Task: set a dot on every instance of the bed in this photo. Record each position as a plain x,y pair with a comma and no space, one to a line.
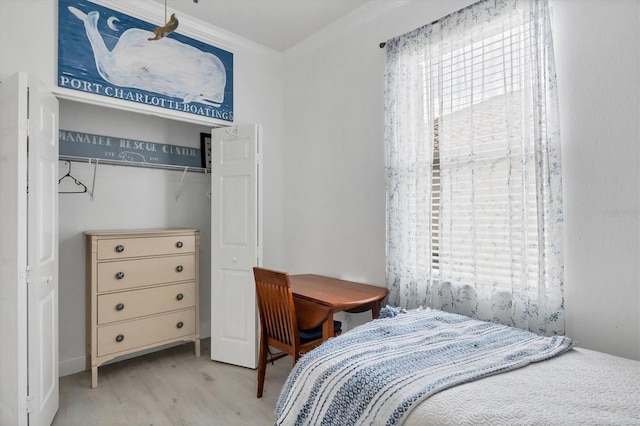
429,367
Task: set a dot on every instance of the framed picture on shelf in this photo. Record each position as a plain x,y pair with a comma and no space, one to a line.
205,150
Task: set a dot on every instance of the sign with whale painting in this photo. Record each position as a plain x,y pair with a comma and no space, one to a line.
108,53
136,152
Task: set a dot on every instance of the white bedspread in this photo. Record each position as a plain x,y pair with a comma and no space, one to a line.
379,372
581,387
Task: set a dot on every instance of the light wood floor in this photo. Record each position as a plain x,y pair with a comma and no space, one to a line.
171,387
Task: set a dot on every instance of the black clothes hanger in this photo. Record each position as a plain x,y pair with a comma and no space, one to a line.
82,186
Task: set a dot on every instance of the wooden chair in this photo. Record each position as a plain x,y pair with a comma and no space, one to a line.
280,326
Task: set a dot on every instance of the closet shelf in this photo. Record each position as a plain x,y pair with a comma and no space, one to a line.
96,161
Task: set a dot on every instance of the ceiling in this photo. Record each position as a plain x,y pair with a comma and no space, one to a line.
278,24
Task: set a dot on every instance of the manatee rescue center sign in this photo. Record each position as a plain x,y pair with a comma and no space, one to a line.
87,145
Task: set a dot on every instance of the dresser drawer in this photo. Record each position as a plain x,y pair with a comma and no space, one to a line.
127,274
120,248
138,303
127,335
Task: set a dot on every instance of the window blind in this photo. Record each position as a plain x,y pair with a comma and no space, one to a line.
484,212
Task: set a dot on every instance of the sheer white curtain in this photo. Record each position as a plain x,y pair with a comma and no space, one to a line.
474,191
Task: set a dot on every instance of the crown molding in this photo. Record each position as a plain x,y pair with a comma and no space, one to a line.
342,27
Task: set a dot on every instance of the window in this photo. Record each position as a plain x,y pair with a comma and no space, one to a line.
474,202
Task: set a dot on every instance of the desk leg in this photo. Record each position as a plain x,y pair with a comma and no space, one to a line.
375,309
327,328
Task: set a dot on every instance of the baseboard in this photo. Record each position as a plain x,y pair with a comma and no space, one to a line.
205,330
72,366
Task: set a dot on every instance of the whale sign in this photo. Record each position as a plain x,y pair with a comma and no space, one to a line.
108,53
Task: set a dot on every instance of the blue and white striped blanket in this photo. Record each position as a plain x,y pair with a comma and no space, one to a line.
378,372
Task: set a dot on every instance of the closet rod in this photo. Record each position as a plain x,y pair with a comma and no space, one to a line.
131,164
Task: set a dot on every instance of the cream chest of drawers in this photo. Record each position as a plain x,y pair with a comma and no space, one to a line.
142,292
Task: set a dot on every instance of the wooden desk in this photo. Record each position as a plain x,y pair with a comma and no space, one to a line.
318,297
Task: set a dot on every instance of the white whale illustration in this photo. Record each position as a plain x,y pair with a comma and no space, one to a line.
165,66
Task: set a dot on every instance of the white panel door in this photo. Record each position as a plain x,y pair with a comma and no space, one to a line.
235,243
42,255
28,253
13,250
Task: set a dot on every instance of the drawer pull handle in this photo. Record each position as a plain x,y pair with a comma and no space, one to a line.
179,296
119,306
119,275
180,324
119,338
179,268
119,248
179,244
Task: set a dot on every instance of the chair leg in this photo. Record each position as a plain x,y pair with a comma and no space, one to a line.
262,366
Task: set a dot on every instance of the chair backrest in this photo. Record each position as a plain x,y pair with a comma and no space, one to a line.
276,308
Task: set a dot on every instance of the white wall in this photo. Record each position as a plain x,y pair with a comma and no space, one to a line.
334,151
334,148
130,197
598,64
